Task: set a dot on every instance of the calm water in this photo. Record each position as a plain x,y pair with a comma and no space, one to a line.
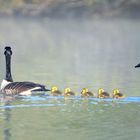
73,54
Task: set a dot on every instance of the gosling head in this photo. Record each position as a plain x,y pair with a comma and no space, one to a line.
66,90
84,91
54,88
100,91
116,91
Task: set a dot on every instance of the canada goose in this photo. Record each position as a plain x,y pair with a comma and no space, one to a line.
68,92
9,87
86,93
103,94
55,91
116,94
138,65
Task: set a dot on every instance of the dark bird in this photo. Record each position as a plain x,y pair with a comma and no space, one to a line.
137,65
9,87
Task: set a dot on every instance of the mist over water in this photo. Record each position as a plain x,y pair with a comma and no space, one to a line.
75,54
96,53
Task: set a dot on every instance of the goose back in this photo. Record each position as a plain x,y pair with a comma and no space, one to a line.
15,88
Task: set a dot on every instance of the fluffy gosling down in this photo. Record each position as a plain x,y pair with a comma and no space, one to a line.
103,94
68,92
116,94
55,91
86,93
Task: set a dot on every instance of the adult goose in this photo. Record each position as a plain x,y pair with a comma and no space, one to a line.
8,87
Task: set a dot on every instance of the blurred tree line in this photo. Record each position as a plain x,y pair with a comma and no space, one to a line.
70,8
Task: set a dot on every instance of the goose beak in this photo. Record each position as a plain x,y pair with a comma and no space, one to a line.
47,90
137,65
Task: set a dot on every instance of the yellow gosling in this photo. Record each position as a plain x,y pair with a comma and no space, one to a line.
103,94
116,94
68,92
55,91
86,93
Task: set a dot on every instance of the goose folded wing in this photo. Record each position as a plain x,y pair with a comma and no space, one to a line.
19,87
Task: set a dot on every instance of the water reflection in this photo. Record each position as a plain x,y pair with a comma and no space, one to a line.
60,116
6,101
7,128
90,54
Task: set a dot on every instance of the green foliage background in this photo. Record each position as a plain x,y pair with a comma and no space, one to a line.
70,8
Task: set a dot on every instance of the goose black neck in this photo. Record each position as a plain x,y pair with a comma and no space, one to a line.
8,54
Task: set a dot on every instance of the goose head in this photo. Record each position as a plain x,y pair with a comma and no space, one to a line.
7,51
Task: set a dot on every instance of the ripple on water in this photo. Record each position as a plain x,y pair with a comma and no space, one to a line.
74,102
80,117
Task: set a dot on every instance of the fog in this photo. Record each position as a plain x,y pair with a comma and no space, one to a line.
76,53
